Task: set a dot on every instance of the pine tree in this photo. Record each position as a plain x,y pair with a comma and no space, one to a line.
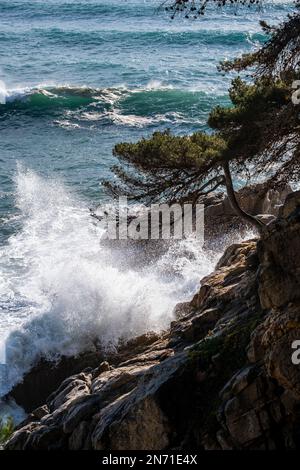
257,138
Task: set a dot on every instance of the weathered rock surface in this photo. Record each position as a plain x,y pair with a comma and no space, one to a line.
260,408
220,221
258,199
46,377
221,378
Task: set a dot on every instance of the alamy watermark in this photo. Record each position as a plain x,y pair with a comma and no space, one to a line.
296,353
296,93
157,222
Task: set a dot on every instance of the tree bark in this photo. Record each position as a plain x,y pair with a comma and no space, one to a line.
234,202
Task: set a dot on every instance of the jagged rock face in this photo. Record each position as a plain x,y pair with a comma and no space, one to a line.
144,427
279,252
46,377
279,291
221,378
256,199
264,413
147,398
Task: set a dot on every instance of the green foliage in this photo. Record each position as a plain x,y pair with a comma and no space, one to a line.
252,133
279,56
6,429
256,128
164,150
251,103
168,166
256,137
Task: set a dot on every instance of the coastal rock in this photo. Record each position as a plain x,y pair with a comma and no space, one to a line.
78,437
70,389
258,199
143,401
45,377
291,203
79,411
279,253
144,427
220,378
261,199
270,408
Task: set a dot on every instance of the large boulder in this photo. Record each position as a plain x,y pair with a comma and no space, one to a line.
46,376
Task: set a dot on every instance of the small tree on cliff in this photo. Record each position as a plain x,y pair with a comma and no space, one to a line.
256,138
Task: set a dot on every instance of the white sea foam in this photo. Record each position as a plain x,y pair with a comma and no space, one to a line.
133,120
9,409
3,92
130,120
157,85
108,95
61,290
102,105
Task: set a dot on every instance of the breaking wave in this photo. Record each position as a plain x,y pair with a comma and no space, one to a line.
62,290
77,106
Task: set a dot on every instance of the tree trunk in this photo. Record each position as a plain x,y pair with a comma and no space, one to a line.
234,203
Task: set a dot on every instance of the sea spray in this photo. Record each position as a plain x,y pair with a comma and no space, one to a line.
10,410
3,92
70,131
64,291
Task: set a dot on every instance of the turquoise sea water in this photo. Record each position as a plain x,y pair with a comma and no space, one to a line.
113,70
78,76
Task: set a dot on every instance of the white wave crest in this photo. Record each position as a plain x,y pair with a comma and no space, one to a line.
3,92
61,290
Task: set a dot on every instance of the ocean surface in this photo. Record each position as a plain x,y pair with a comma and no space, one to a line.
78,76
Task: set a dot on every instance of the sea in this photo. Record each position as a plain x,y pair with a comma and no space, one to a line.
77,77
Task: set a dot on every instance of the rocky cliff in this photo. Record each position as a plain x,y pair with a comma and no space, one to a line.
222,377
